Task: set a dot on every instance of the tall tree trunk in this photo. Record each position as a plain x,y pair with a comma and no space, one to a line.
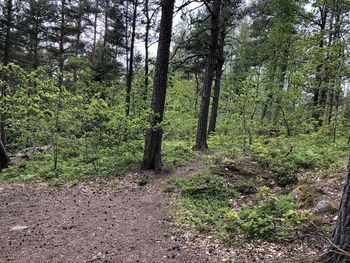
341,233
148,25
319,71
60,81
77,40
152,152
105,35
201,139
93,58
219,65
6,60
131,62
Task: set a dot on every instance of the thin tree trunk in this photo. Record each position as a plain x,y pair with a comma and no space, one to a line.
104,43
201,138
148,25
60,82
335,120
93,59
216,96
254,109
197,94
77,40
152,151
8,24
131,62
318,97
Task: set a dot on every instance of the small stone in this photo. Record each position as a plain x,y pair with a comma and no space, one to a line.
325,206
296,194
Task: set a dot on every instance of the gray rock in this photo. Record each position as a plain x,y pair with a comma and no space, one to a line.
296,195
324,206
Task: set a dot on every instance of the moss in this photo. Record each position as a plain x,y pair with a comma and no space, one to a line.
308,195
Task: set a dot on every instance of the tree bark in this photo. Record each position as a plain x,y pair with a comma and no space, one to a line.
152,159
4,158
6,60
131,62
341,233
148,25
216,96
201,139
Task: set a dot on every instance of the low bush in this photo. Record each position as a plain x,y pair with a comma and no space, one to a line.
272,218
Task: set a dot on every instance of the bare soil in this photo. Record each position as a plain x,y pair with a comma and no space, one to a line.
125,220
116,221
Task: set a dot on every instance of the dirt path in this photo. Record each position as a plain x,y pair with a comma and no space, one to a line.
91,224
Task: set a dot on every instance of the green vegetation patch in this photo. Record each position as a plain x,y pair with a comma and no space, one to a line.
204,201
272,217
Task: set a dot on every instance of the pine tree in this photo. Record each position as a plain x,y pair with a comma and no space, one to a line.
152,158
201,138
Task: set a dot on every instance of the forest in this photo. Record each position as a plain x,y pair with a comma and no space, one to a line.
174,131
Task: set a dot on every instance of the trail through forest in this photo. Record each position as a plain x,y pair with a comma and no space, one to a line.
99,222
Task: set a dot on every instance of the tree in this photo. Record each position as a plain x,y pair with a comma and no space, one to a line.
94,41
218,74
34,28
150,13
152,150
226,21
4,158
130,67
341,233
107,66
8,10
201,139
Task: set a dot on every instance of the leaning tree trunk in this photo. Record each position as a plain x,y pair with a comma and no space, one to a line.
4,158
152,152
340,252
201,140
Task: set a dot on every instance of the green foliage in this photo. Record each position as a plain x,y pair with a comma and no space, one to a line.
206,186
205,199
273,218
285,157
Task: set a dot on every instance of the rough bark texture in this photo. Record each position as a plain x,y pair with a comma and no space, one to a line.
201,140
131,62
217,86
152,151
4,158
341,234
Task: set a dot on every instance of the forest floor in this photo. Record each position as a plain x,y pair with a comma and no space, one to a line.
116,220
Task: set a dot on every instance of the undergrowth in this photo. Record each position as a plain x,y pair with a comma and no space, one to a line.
78,165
